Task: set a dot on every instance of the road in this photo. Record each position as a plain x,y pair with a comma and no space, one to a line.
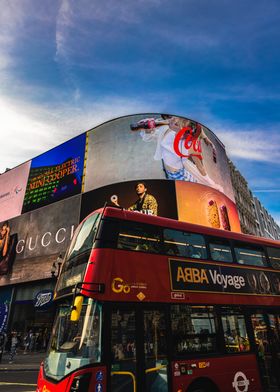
18,381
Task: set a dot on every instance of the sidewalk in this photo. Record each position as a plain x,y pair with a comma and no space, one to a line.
29,361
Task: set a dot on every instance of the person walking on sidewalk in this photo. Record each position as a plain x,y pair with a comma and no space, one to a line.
14,343
2,344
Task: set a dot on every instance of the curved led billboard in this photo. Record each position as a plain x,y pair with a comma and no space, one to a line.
155,146
156,164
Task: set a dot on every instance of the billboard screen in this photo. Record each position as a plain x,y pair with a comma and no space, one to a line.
185,201
156,146
206,206
126,195
12,190
33,241
55,175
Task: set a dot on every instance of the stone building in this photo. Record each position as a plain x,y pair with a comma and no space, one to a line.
244,201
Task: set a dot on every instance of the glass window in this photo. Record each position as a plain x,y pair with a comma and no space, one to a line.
155,346
274,321
123,335
220,251
144,238
193,329
84,239
123,349
179,243
274,257
74,344
235,333
250,256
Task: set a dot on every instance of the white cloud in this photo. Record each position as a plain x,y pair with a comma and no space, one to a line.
251,145
28,130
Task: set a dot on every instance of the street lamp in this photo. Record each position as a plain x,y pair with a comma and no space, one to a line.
56,266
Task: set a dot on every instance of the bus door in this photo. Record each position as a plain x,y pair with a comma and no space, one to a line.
155,350
267,338
138,350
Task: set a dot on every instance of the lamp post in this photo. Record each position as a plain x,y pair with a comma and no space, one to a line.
56,266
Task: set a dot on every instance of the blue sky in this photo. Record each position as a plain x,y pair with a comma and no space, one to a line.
68,65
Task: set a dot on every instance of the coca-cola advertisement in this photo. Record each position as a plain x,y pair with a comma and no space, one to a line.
156,146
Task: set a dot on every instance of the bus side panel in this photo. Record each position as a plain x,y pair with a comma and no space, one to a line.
231,373
95,382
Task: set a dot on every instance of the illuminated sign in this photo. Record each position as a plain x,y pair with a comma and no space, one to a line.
156,146
203,277
55,175
36,239
43,299
12,190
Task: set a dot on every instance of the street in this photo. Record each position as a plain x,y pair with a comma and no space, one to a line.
18,381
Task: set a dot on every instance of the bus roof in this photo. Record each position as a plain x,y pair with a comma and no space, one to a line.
120,213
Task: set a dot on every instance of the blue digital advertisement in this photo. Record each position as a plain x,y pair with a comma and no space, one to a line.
56,175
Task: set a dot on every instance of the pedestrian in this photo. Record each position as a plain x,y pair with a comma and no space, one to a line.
32,345
2,344
26,343
13,350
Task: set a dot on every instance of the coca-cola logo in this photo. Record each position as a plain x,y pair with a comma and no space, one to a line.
188,139
43,299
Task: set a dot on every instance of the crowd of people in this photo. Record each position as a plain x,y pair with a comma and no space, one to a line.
29,342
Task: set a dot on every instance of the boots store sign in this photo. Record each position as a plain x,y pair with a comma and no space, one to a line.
34,240
43,299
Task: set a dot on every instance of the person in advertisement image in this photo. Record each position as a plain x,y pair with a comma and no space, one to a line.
146,203
7,243
180,145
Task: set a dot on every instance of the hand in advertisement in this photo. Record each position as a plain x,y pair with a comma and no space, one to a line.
148,124
115,200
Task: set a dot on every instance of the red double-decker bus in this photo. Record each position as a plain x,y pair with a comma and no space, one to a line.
152,304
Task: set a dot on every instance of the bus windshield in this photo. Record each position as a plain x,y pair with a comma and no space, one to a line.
74,344
76,259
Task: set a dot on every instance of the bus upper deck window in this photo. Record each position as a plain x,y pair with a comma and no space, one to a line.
274,257
185,244
220,251
250,256
139,237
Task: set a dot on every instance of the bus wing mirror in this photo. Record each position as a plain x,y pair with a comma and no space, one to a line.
76,308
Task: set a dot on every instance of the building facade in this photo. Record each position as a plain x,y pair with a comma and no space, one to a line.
266,225
244,201
181,164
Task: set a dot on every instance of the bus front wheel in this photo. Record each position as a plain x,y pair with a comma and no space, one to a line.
202,386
